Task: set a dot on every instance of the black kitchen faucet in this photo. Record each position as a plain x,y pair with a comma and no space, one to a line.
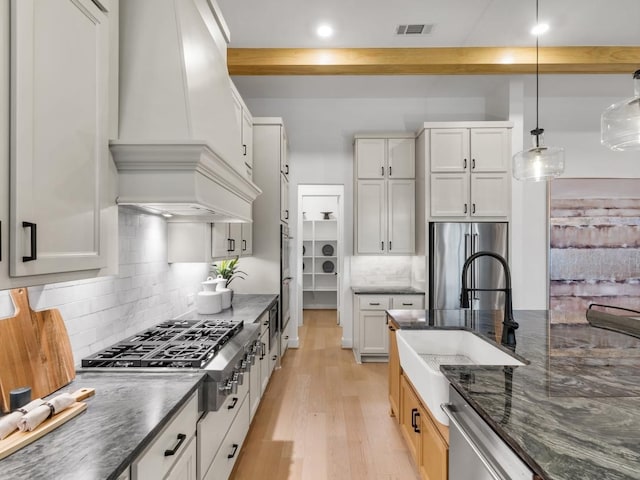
510,325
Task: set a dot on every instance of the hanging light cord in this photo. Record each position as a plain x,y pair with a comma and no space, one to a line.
537,130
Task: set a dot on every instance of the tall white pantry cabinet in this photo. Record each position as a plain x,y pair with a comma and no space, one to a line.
59,216
385,194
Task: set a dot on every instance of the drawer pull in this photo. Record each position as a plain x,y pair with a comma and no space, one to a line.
407,304
234,402
374,304
234,450
181,439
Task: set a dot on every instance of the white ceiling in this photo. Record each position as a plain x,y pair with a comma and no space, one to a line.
457,23
371,23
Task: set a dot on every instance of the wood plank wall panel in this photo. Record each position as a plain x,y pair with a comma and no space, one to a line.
594,253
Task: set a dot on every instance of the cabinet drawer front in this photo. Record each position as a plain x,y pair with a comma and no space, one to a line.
153,463
407,302
374,302
214,425
227,455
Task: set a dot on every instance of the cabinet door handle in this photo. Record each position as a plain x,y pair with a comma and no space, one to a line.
473,208
382,171
181,438
407,304
233,244
286,169
417,427
465,208
414,411
233,451
374,303
473,164
382,246
244,150
34,249
234,402
389,170
464,166
286,214
389,245
244,245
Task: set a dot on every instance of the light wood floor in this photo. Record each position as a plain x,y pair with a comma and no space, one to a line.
323,416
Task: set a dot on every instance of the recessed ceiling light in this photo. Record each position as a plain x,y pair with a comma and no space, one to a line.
324,31
539,29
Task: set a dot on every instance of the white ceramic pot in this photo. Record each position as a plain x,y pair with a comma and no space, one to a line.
209,302
226,297
210,284
219,282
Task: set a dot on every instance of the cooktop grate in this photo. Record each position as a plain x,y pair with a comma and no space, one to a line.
182,344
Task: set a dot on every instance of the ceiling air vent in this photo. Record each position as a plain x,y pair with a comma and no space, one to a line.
414,29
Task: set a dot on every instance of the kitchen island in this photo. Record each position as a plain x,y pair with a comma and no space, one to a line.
127,412
573,411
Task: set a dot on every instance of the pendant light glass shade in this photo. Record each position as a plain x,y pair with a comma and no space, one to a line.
620,123
539,162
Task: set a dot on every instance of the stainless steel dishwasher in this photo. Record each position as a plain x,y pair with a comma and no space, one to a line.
475,450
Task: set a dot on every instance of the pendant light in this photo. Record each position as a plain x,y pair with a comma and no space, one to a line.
620,123
538,162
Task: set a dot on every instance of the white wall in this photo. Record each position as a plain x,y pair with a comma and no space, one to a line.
320,133
147,290
570,109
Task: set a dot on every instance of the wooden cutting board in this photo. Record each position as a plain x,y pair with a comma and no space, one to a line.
17,440
34,351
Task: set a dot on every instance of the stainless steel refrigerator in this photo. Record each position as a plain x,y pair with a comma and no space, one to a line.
450,244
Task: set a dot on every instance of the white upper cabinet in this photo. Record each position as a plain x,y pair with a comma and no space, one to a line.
469,170
385,195
449,149
385,158
370,157
401,158
244,122
59,137
490,149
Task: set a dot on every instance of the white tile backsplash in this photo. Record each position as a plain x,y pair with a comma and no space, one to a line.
147,290
387,271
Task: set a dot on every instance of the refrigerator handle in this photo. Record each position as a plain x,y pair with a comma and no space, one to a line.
474,274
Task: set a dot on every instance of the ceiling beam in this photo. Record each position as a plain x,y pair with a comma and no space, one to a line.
431,61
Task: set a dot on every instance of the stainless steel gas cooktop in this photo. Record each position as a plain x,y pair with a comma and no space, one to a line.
172,344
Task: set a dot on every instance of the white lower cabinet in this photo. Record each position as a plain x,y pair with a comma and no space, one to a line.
214,427
169,446
370,335
227,455
185,466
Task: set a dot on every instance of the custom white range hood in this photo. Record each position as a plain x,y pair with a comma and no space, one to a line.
178,150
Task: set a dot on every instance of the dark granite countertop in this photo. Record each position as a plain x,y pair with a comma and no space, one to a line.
128,410
245,306
374,290
574,409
